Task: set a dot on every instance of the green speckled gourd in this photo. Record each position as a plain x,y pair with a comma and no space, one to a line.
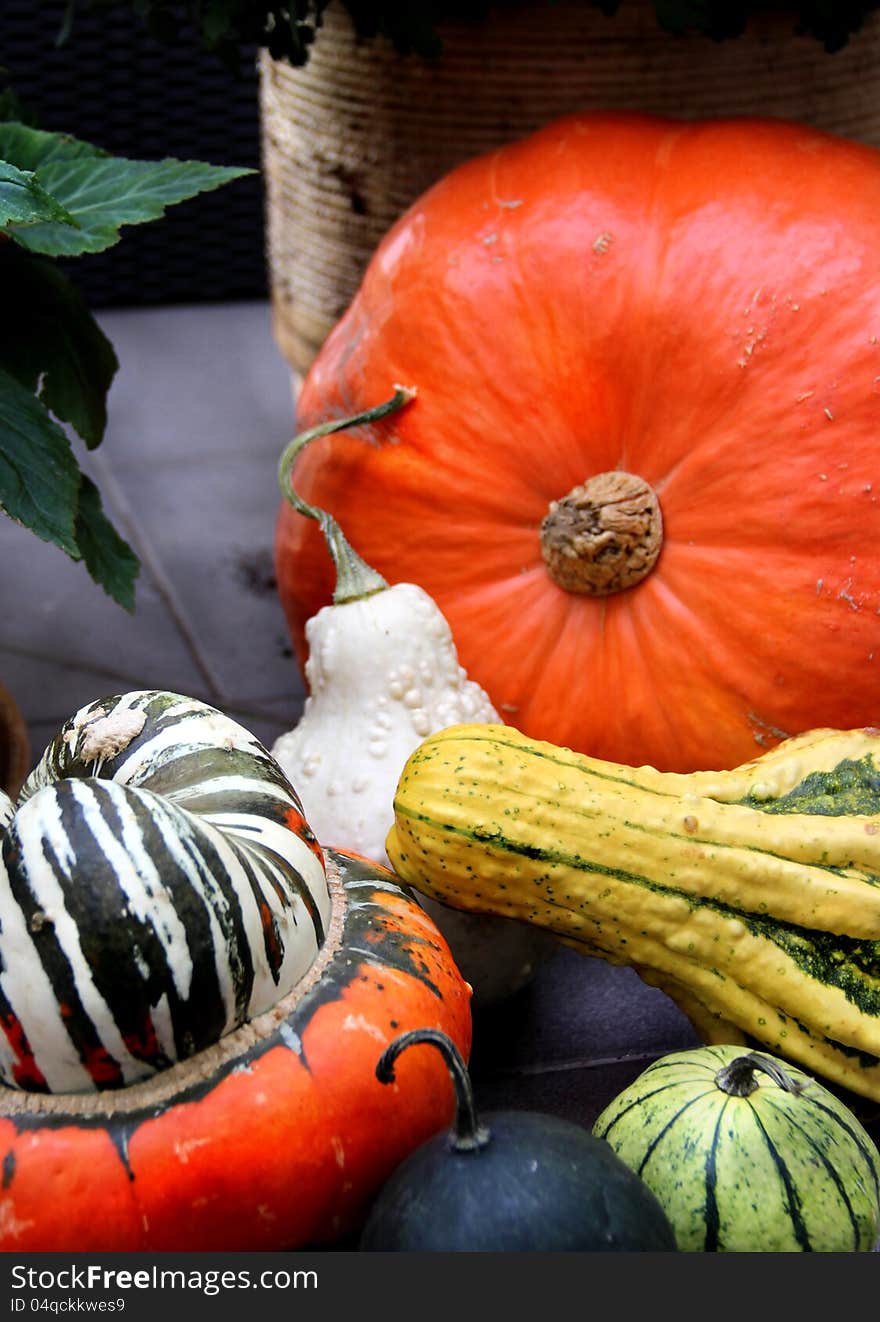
746,1154
751,896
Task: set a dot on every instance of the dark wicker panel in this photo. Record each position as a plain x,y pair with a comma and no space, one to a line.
113,85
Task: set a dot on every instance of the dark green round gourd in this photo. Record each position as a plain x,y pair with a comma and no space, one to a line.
747,1153
515,1181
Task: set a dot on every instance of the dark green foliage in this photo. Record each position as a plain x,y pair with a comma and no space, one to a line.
831,22
288,30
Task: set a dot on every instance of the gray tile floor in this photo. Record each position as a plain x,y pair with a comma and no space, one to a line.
199,413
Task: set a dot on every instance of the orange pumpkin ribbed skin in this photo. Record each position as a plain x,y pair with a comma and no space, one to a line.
283,1137
697,304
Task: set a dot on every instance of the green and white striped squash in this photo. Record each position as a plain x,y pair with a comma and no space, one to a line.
747,1154
159,887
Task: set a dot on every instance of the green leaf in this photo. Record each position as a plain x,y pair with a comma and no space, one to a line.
110,560
13,107
218,20
42,488
54,342
24,202
100,192
31,148
39,476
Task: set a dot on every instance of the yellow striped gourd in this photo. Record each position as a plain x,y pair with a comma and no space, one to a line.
751,896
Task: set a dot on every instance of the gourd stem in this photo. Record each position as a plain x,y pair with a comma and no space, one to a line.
355,579
738,1078
467,1135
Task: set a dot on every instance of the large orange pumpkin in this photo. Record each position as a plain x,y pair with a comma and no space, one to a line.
689,313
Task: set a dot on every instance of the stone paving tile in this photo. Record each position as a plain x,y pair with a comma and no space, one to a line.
577,1092
52,610
198,413
220,580
193,459
197,382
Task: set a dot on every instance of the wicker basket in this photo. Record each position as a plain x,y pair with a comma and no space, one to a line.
354,137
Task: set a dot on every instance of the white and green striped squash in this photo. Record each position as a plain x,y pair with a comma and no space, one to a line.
159,887
747,1154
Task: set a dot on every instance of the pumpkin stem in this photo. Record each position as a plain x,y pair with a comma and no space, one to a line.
355,579
604,536
468,1135
738,1078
